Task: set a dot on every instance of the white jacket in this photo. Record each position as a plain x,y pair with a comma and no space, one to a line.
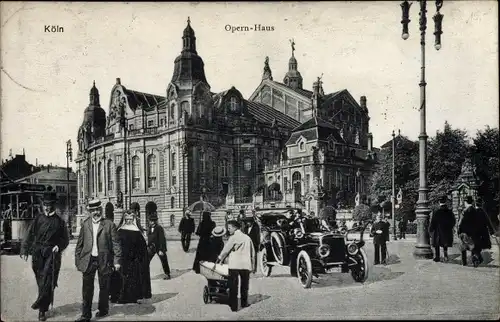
241,252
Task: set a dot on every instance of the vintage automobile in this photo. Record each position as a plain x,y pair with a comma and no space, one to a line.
307,248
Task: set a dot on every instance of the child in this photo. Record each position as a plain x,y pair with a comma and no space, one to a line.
216,243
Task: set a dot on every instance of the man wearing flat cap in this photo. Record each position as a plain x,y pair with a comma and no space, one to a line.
97,250
46,238
441,229
473,231
157,243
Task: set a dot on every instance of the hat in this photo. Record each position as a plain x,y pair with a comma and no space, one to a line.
153,216
234,223
94,204
218,231
469,200
49,198
443,199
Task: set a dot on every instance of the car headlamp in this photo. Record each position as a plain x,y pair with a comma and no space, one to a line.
323,251
298,233
352,249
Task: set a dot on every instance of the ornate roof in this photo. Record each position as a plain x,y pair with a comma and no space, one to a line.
267,115
316,129
145,100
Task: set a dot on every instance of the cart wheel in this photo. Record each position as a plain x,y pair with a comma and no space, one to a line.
206,296
304,269
360,272
264,268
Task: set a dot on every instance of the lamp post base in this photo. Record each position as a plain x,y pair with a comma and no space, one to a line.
423,252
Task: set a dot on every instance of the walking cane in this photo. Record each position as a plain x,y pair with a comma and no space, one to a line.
53,277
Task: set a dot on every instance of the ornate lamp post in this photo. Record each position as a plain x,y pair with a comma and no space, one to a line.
393,189
422,247
69,158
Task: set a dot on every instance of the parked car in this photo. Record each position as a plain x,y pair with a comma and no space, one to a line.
307,248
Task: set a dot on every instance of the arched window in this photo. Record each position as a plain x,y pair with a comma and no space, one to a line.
110,175
152,171
185,107
119,179
172,112
234,104
202,161
224,168
172,202
136,177
247,164
173,161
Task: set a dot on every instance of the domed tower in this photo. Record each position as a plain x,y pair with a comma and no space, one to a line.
293,78
94,120
188,66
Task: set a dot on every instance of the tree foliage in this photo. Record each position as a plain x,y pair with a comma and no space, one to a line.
362,213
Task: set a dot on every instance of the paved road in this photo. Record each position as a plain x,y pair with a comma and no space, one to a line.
405,289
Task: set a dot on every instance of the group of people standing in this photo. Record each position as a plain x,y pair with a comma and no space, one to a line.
473,230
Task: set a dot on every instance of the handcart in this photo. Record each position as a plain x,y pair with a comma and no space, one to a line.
217,288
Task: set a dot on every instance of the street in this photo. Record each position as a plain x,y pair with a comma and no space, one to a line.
404,289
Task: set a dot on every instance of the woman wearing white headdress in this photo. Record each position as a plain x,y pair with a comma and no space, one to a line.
135,279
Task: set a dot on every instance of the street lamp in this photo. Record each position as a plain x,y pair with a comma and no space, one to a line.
422,247
69,158
393,189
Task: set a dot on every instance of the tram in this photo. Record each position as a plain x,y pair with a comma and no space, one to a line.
20,204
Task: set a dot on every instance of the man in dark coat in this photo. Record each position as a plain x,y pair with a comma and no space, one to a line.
441,229
97,250
45,240
492,223
380,232
474,225
157,243
403,224
186,228
252,229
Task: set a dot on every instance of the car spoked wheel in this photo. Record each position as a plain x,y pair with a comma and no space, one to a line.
206,296
278,247
360,272
304,269
264,267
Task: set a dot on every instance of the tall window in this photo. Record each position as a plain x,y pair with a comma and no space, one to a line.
266,95
172,202
110,175
119,178
173,161
224,168
99,176
172,112
136,178
234,104
92,179
152,171
202,161
247,164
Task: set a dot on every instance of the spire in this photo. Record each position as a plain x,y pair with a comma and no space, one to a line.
317,95
188,38
267,70
293,78
94,96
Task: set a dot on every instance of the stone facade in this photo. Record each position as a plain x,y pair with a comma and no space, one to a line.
165,152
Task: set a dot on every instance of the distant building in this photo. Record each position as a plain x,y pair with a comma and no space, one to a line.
283,145
15,168
57,178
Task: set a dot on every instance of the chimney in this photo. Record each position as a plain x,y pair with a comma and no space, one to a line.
370,142
36,162
118,82
362,102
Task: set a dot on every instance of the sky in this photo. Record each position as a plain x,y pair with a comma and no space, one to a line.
46,77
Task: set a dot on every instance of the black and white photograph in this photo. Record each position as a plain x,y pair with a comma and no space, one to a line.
164,161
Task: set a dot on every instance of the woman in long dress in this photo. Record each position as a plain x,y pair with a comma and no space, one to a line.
204,248
135,282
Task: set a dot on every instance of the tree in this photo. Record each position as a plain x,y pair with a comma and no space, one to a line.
484,155
447,152
362,213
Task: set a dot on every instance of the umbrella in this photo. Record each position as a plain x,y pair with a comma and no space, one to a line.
201,206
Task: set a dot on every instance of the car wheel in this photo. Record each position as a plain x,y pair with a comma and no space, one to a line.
264,268
304,269
279,248
360,272
206,296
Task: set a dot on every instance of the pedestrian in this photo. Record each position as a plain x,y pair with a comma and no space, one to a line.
97,250
216,243
204,231
135,282
241,261
441,229
403,225
473,232
492,225
380,232
45,240
252,229
157,243
186,228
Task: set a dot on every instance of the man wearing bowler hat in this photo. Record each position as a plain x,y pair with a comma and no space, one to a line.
157,243
97,250
46,238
